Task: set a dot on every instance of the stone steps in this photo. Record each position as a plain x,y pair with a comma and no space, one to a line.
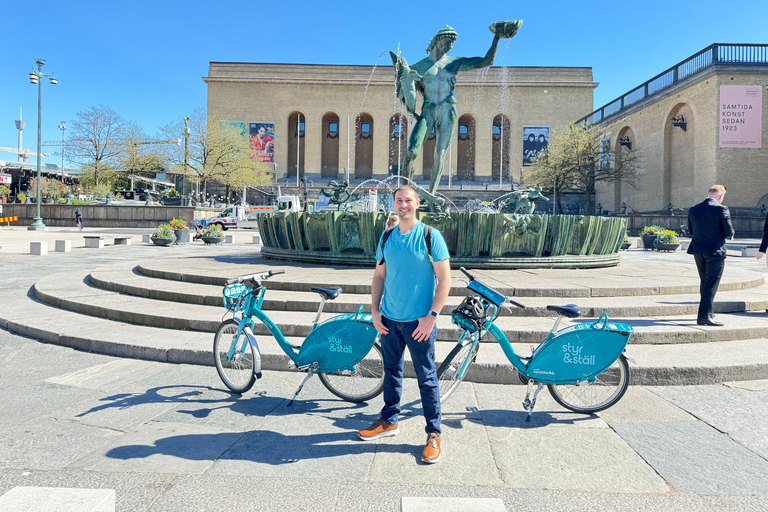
71,291
131,282
681,364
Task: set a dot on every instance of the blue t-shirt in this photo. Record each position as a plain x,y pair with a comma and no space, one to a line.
409,286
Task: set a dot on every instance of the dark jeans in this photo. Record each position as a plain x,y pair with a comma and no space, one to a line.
393,346
710,271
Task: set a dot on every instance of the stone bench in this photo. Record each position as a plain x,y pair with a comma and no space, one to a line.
747,249
123,240
94,242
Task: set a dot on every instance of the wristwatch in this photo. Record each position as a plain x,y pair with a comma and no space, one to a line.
433,313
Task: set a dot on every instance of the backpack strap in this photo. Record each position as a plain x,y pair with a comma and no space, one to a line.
384,238
427,240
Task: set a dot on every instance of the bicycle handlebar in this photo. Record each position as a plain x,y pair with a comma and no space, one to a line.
489,289
257,277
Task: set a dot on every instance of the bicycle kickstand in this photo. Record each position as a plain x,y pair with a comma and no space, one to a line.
311,372
528,403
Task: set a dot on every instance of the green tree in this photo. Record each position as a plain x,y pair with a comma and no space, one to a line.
217,151
140,156
577,158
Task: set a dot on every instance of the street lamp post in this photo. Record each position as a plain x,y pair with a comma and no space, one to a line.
35,77
62,127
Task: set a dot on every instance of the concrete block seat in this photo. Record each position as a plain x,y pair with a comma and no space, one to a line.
63,245
38,248
123,240
747,249
94,241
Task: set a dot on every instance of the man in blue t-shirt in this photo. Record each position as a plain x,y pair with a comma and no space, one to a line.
408,291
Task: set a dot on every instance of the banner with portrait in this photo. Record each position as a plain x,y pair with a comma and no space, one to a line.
535,139
262,136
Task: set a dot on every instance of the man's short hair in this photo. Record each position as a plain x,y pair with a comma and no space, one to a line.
407,188
716,189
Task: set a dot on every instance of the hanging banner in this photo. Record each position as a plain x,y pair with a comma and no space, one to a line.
535,138
741,116
262,141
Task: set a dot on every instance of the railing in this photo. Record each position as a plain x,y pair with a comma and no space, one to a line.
714,55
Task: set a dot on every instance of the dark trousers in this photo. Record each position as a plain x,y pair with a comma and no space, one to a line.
393,345
710,271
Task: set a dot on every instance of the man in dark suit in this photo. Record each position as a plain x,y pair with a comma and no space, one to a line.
763,243
709,224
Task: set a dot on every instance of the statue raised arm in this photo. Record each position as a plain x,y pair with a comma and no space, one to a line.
435,78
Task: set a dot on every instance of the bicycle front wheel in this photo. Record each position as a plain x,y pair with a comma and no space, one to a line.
590,397
449,375
360,384
236,371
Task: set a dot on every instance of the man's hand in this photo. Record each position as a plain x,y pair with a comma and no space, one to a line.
426,324
377,323
760,255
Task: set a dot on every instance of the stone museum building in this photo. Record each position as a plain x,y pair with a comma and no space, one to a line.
331,117
701,122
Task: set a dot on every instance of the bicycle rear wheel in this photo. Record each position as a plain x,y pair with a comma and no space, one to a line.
448,376
237,372
590,397
362,383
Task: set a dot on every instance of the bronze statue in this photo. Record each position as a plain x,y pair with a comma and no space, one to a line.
523,200
435,78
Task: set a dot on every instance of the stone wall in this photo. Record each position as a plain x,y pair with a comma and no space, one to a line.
679,166
100,216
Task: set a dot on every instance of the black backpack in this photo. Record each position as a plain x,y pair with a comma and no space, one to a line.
427,240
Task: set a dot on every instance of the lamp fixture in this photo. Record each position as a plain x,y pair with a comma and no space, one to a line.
679,121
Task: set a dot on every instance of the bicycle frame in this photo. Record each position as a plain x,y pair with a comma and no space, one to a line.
327,348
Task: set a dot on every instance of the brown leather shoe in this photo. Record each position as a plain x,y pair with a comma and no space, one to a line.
432,451
379,429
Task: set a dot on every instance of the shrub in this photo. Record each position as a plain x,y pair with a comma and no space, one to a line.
213,230
22,196
163,231
652,230
178,224
667,236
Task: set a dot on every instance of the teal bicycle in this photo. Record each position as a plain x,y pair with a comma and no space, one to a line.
583,365
343,350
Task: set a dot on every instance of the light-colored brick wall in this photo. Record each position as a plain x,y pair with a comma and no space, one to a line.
665,174
271,92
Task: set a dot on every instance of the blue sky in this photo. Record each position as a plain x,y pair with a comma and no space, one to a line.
146,60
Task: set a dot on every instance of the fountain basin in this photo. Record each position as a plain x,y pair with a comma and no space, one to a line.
476,240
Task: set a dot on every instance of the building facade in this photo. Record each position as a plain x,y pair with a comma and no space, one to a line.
699,123
321,119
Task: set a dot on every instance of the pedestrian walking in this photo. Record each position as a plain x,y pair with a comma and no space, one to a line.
79,218
764,244
709,224
409,288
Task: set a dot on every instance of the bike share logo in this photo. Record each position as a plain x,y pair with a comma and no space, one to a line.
336,346
234,291
572,354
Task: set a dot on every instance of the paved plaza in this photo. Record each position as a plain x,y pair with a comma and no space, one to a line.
169,437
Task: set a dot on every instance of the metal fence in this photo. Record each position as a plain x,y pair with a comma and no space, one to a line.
716,54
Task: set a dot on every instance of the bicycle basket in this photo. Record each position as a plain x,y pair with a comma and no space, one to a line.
470,315
233,296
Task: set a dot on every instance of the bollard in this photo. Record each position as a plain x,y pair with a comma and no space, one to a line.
257,239
63,245
38,248
229,239
146,239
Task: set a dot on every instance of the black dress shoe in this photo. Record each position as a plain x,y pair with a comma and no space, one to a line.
710,322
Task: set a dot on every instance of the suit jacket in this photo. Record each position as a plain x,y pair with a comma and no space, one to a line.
764,243
709,223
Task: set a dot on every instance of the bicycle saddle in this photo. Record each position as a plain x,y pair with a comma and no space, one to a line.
329,293
570,310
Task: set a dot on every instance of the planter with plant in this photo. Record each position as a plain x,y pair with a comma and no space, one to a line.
626,244
163,235
649,234
666,241
181,230
213,234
